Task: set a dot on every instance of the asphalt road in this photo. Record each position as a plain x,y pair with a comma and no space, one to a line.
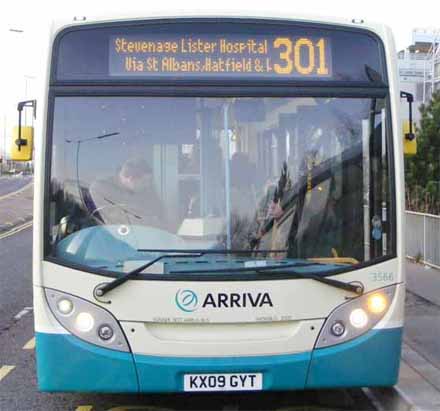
15,276
18,389
10,184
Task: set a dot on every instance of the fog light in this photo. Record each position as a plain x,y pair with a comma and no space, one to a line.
84,322
377,303
358,318
105,332
338,329
65,306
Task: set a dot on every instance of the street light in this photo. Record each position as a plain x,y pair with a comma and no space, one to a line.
78,143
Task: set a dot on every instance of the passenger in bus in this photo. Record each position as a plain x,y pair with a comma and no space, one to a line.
269,209
130,197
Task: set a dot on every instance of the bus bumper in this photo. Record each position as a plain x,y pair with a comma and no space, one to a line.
65,363
370,360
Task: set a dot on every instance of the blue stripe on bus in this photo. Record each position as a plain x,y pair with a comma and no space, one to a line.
370,360
65,363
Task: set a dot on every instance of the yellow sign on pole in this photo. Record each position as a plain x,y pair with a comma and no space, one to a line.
409,146
22,152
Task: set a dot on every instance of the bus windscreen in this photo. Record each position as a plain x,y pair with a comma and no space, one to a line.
218,50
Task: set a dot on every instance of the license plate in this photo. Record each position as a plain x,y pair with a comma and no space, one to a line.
223,382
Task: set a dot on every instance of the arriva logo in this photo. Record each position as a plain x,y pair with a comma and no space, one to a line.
187,300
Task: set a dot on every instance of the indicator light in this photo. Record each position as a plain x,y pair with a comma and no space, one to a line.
377,303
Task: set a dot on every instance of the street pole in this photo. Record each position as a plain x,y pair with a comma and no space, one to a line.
26,91
424,78
433,63
3,153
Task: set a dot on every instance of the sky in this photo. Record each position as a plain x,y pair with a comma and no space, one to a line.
23,59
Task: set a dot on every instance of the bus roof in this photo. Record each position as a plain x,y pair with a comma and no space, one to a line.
377,28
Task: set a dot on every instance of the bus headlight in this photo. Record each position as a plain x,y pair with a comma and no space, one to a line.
358,318
86,320
355,317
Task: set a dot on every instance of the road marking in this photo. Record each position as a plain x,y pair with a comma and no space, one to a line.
16,230
30,345
84,408
4,197
22,313
138,407
5,370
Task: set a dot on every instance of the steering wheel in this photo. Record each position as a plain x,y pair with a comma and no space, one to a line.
121,207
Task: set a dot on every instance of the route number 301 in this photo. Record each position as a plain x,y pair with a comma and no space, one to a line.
302,55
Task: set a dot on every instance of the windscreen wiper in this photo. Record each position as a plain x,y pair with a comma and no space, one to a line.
356,288
104,289
171,253
275,269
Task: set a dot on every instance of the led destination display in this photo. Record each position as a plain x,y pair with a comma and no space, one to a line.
220,56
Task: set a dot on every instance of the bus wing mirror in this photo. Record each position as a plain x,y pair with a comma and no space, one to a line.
23,135
409,137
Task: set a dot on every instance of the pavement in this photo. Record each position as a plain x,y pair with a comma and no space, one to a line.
418,387
421,349
424,281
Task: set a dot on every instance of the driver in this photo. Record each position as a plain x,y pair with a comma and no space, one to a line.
129,197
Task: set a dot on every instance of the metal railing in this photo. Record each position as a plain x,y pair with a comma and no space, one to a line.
423,237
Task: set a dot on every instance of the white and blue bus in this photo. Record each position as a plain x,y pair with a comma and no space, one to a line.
218,206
